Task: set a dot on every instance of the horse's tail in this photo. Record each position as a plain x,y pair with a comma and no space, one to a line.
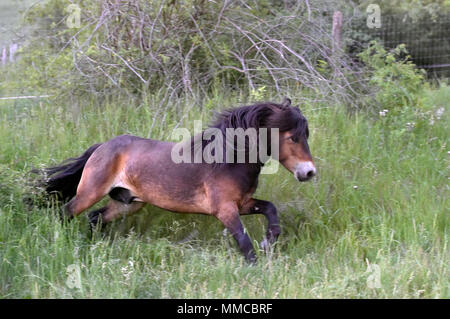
62,181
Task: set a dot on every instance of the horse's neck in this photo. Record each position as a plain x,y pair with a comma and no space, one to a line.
247,174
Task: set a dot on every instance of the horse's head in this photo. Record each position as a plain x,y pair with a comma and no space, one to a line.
293,149
294,153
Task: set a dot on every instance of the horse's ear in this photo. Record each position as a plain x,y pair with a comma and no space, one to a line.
286,102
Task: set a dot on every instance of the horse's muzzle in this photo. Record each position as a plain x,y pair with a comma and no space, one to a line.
304,171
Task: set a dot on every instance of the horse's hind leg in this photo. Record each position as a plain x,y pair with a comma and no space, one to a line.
94,184
81,202
113,210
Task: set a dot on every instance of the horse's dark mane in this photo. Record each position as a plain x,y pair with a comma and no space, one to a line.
269,115
261,115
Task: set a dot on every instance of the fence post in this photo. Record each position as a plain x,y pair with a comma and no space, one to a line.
336,32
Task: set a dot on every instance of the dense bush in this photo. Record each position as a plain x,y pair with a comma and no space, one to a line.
397,80
137,47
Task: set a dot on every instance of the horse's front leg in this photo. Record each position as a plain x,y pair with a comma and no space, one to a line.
257,206
228,214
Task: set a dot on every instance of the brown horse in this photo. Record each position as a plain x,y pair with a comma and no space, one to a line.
135,171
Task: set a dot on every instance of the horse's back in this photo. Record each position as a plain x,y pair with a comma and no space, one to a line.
115,162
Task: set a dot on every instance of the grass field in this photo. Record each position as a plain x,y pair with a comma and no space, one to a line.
373,223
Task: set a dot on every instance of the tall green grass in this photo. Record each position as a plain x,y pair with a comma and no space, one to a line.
379,202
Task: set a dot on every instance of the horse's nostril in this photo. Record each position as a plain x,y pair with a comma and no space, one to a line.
305,171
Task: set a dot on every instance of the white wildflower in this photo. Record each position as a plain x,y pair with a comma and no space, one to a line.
128,270
410,125
439,112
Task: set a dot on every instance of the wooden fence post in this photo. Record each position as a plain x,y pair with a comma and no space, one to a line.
336,32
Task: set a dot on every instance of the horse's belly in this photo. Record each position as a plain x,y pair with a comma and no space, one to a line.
197,204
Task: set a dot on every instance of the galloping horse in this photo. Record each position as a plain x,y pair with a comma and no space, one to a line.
135,171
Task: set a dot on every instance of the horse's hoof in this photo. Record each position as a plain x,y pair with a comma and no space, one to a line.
265,245
95,218
93,222
251,259
64,217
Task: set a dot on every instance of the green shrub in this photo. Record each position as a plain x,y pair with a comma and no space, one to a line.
399,90
397,82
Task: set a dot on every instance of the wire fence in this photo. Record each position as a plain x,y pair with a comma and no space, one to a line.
427,39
